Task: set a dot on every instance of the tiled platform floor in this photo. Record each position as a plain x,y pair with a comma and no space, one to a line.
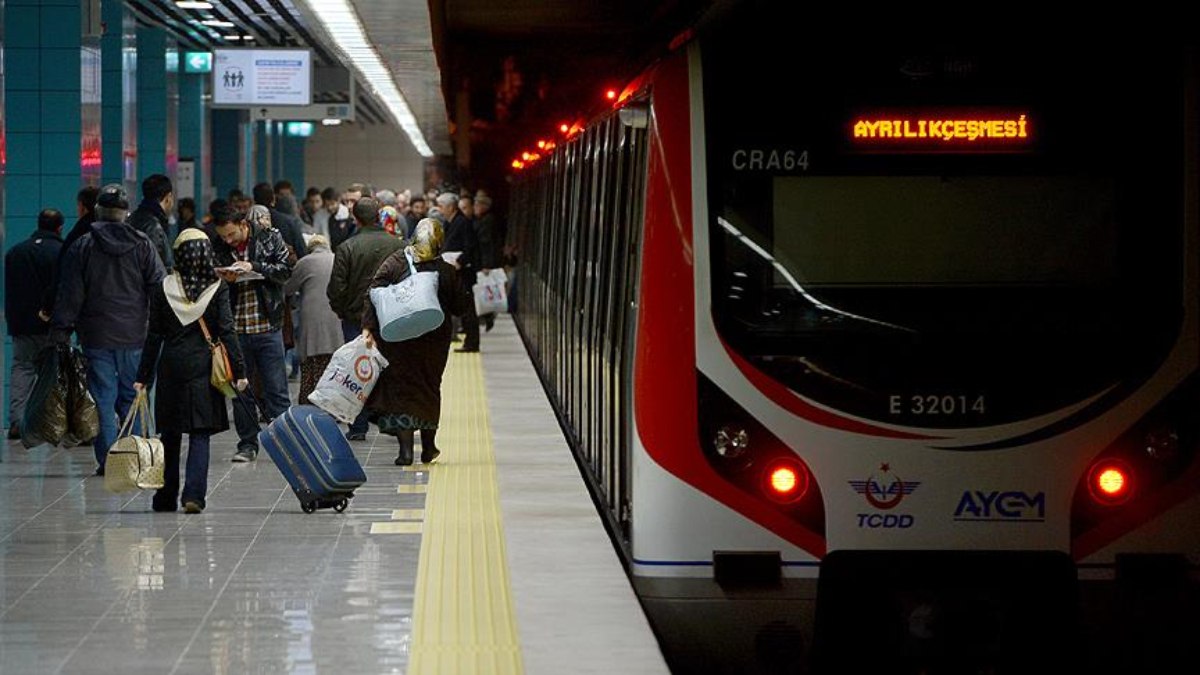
92,582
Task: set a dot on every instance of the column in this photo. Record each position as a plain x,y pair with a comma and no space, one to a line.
191,131
151,102
42,120
226,151
118,111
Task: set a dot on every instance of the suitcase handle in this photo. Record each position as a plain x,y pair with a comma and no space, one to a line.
246,408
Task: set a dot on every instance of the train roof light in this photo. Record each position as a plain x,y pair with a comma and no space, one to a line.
785,481
564,127
611,94
1111,482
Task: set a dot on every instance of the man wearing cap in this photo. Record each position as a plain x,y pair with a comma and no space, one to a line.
107,277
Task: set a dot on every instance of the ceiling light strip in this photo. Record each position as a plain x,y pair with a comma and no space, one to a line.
342,24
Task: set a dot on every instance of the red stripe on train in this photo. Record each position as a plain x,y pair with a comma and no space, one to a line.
665,364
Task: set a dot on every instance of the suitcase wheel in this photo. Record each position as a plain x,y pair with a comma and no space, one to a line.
341,505
309,507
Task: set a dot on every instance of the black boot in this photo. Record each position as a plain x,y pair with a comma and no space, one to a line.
429,451
405,458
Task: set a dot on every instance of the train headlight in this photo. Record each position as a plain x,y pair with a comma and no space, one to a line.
785,481
1111,482
1162,444
731,443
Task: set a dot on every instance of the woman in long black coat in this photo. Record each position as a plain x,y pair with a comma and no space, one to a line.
186,402
408,396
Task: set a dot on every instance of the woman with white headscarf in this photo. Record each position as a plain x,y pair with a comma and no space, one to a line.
190,299
408,396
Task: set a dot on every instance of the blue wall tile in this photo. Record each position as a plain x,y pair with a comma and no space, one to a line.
60,69
24,155
60,154
61,112
23,110
23,71
59,192
60,24
21,25
22,194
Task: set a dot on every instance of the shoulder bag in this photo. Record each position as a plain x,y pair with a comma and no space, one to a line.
408,308
222,369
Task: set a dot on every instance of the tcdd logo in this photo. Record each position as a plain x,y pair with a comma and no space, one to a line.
884,490
364,369
1013,505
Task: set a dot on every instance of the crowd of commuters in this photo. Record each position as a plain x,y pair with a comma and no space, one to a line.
283,283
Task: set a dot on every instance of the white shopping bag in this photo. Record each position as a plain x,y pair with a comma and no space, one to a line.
490,295
348,380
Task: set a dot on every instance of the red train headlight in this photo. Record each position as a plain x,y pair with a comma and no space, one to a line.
1111,482
785,481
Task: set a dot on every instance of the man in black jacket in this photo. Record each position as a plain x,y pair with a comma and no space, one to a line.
289,226
85,208
354,264
461,238
254,260
150,218
104,294
29,267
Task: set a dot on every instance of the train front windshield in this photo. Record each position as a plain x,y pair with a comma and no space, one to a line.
945,237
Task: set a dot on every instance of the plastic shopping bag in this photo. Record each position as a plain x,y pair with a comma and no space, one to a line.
490,295
46,412
83,420
348,380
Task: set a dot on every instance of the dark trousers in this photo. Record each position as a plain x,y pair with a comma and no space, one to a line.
263,354
470,321
350,331
195,482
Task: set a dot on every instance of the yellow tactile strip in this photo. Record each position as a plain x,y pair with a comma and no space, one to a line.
464,620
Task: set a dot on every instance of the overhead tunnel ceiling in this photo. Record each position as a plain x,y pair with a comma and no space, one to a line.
507,70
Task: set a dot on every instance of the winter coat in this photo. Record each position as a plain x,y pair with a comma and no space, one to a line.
268,257
412,383
185,401
460,236
106,282
354,265
29,267
151,220
320,330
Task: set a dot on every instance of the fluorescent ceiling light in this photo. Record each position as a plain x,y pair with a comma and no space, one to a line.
192,4
332,122
217,23
342,24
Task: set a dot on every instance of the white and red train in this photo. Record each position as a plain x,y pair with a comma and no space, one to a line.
904,373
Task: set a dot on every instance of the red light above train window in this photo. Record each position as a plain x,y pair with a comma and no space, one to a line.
611,94
942,131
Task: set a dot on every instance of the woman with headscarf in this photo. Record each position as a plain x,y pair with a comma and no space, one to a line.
408,396
321,333
186,402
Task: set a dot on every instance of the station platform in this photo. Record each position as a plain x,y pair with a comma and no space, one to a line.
493,560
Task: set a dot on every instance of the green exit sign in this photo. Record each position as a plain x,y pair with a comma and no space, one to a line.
197,62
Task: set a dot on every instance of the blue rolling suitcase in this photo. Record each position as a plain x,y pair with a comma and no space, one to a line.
307,445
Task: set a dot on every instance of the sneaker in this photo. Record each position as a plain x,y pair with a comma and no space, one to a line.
404,459
162,506
430,456
489,322
100,471
192,507
244,455
356,436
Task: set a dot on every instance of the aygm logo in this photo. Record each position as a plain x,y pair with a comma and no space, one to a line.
1013,505
364,369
